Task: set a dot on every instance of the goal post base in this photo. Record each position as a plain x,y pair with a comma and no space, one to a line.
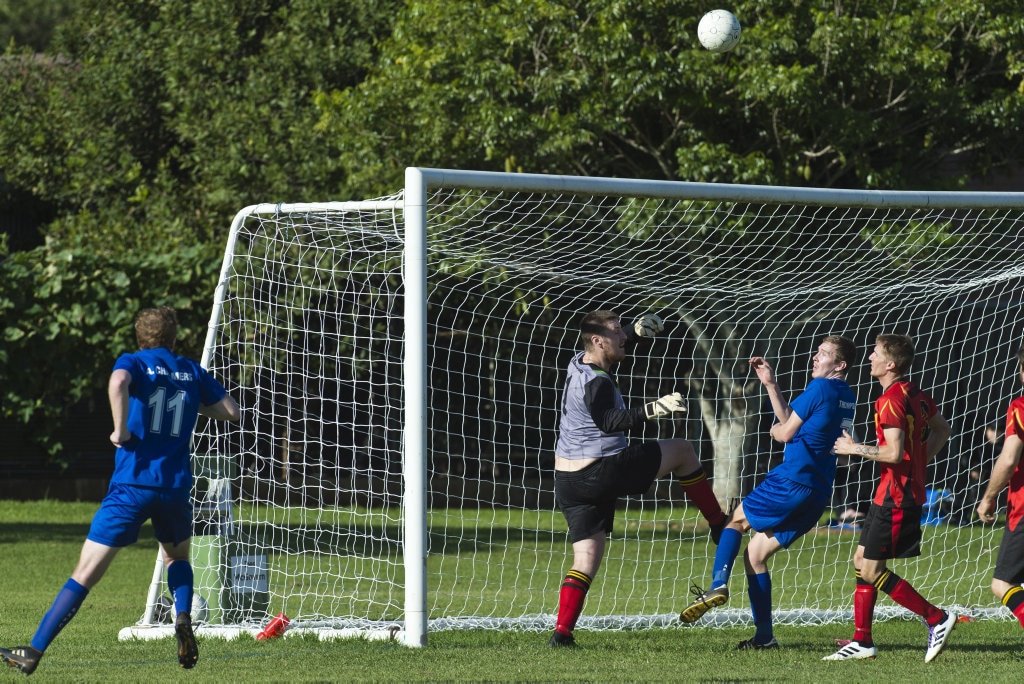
151,632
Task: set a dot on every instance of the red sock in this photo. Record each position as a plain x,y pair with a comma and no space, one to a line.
699,491
1014,600
1018,612
570,600
864,612
905,595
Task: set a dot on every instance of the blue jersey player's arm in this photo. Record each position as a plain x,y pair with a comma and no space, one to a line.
225,409
118,393
789,421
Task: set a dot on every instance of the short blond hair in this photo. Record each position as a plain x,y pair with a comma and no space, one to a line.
899,349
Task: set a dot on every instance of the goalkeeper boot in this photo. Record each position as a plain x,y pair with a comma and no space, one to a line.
188,649
562,640
853,650
24,658
938,636
703,602
751,645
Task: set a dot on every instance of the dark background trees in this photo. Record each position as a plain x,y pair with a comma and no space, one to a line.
132,131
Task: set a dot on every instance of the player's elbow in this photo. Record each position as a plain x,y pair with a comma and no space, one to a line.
225,409
784,436
889,457
231,411
120,381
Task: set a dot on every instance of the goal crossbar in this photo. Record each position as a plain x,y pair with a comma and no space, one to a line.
399,364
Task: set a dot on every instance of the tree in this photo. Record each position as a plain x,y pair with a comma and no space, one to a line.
134,138
31,22
915,95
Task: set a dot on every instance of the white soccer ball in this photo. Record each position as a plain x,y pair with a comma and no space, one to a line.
200,609
719,30
648,325
163,611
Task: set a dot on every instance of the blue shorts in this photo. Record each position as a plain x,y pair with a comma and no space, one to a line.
126,507
785,508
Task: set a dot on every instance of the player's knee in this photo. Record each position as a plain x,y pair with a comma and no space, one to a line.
870,575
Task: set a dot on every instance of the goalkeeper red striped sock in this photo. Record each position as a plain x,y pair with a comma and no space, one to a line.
1014,600
570,600
698,490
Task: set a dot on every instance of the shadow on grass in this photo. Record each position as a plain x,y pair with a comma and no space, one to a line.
14,533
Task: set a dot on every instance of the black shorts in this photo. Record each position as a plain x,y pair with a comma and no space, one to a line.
891,533
587,497
1010,561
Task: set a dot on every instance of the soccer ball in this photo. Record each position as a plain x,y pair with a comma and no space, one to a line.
648,325
719,30
163,611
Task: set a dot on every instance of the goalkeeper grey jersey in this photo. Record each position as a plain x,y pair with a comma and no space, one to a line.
589,391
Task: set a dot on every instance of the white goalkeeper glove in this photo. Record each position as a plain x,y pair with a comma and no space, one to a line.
648,325
666,406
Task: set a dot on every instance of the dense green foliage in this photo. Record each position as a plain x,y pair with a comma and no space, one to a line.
131,137
908,95
31,22
76,306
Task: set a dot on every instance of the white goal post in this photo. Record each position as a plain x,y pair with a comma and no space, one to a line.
399,362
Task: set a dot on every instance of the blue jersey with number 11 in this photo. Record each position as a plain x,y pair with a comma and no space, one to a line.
166,392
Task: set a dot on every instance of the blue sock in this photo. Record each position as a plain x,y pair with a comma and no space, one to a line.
179,582
725,556
759,589
64,607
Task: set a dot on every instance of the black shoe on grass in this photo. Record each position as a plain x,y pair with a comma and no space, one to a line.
24,658
188,649
751,645
560,640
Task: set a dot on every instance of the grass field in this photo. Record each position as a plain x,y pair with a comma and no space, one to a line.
39,544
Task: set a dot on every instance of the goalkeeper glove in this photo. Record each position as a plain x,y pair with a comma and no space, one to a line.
666,406
648,325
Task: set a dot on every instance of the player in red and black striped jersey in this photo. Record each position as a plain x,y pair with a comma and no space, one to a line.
1007,471
910,431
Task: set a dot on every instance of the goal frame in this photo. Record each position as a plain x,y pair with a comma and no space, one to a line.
412,209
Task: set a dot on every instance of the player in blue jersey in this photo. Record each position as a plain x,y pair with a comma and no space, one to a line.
795,493
594,463
155,398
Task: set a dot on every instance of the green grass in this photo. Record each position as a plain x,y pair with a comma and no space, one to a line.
40,541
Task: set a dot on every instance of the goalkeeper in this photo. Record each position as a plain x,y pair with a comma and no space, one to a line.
794,494
155,398
594,464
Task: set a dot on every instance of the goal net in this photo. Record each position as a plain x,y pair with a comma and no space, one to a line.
399,364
